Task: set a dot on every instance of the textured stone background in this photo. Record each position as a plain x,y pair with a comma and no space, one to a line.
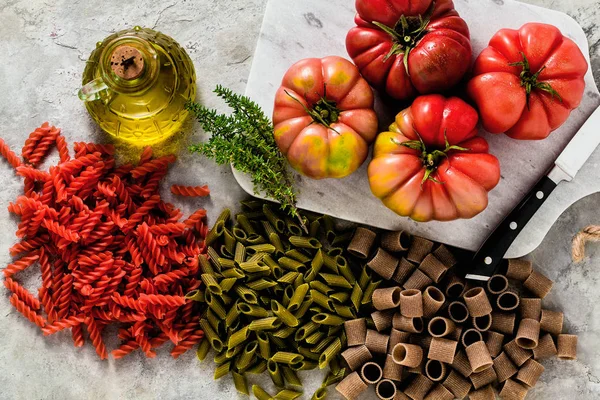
43,49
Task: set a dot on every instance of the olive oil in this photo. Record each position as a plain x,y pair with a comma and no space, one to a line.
136,84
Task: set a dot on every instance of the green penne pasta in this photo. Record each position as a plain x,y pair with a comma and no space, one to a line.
252,205
319,394
308,354
213,256
288,292
291,264
254,215
239,254
254,239
215,232
233,273
341,297
356,297
321,287
226,299
335,251
267,227
245,224
254,266
212,336
284,332
342,238
328,226
368,292
305,330
247,294
235,325
365,278
264,347
240,383
303,308
322,300
261,284
277,342
238,337
232,315
260,393
260,248
314,228
315,337
216,305
256,257
274,219
229,240
304,242
298,297
275,240
334,368
227,284
345,270
258,368
335,280
202,350
221,357
284,315
275,373
284,357
287,394
327,319
330,264
224,216
344,311
305,365
213,320
205,265
239,234
334,330
195,295
330,352
264,324
222,370
234,351
293,227
334,377
247,355
226,263
290,376
299,281
297,255
253,310
289,277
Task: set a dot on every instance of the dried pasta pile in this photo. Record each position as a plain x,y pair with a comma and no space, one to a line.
434,336
109,249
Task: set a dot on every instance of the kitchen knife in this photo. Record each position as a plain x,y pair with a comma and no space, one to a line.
569,162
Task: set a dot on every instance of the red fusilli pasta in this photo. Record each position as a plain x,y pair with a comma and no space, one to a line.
190,191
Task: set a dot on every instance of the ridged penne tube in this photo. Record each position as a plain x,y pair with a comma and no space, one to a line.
362,242
395,242
385,299
517,354
275,373
477,302
530,308
213,320
433,268
259,284
482,323
365,278
461,364
538,284
435,370
433,300
245,224
368,292
287,394
407,355
356,297
455,286
258,368
260,393
344,311
321,287
504,367
371,373
298,255
335,251
494,342
411,303
567,347
444,254
211,284
402,323
344,269
376,342
314,227
440,327
356,356
391,370
304,307
403,271
385,389
314,337
508,301
247,294
233,273
275,240
479,356
226,263
396,337
252,310
203,349
519,269
238,337
215,232
545,348
327,319
383,263
352,386
485,393
264,347
382,319
283,357
457,385
418,280
308,354
503,323
458,312
336,280
222,370
439,392
264,324
551,321
330,353
497,284
274,219
442,350
216,305
530,372
239,254
260,248
245,358
329,263
291,264
513,390
298,297
419,248
304,242
419,387
322,299
239,233
528,333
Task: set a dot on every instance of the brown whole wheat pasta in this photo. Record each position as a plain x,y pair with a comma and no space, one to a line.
513,391
376,342
497,284
418,370
383,263
435,370
455,286
385,389
411,303
503,323
482,323
418,388
457,384
442,350
567,347
458,312
494,342
508,301
356,331
397,336
461,364
418,280
479,356
421,340
504,367
361,243
356,356
433,300
419,248
531,307
530,372
391,370
528,333
545,348
440,327
445,256
519,270
538,284
551,321
382,319
395,242
517,354
387,298
477,302
433,268
439,392
371,372
471,336
485,393
351,386
403,271
407,355
456,333
411,325
401,396
483,378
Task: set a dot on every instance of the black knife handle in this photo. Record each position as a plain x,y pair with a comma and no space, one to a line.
490,255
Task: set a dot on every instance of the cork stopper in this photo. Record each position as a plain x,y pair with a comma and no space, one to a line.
127,62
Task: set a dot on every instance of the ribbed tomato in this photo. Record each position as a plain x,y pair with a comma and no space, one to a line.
323,116
430,165
528,81
409,47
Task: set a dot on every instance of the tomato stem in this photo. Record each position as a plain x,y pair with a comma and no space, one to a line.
530,81
324,112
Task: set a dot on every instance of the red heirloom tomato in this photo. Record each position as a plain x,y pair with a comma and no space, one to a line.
323,116
430,165
527,81
408,47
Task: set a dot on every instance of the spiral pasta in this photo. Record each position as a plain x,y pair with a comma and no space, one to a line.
9,155
190,191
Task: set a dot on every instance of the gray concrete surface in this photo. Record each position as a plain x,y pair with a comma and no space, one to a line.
43,48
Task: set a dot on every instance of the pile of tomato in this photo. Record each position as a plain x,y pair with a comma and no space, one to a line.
430,164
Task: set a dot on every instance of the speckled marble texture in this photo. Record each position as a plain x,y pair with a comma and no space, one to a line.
43,48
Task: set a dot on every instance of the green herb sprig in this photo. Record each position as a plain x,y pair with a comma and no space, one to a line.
245,140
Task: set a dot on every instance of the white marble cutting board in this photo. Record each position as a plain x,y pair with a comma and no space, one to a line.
293,30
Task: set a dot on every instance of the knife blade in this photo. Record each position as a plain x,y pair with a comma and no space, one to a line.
569,162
